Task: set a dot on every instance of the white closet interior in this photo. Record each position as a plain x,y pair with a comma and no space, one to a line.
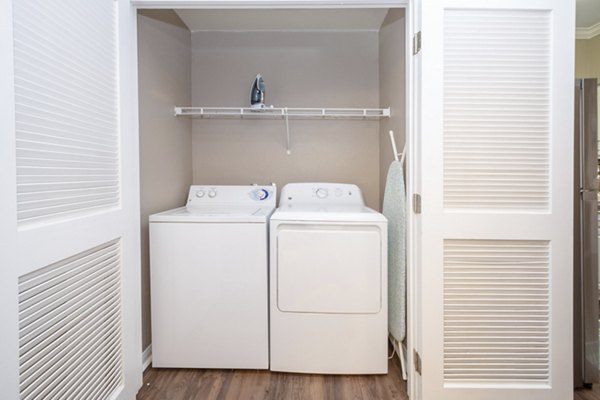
310,59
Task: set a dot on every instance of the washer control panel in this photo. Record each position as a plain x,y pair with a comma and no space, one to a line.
232,195
320,193
260,194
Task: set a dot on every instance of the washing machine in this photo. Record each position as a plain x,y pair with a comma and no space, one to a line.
328,282
209,279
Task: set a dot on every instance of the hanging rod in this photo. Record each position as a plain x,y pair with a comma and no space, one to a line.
279,113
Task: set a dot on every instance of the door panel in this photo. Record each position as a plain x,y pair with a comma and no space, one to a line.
66,109
70,281
496,109
496,175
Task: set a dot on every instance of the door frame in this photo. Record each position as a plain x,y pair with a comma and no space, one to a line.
8,205
412,126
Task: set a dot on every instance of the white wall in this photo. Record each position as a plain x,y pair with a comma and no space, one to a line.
587,58
309,69
165,141
392,87
301,69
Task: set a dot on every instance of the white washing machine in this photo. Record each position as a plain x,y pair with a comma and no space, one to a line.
328,282
209,279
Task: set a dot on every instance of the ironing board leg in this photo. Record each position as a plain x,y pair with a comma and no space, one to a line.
402,357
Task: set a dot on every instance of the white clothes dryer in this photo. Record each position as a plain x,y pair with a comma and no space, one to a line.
209,279
328,282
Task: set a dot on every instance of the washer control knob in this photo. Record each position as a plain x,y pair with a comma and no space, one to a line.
322,193
200,193
261,194
212,193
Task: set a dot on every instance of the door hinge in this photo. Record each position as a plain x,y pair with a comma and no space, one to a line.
417,361
417,43
417,203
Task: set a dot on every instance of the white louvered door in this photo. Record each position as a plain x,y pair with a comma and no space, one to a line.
496,175
69,210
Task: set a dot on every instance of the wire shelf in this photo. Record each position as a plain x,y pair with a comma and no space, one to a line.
283,112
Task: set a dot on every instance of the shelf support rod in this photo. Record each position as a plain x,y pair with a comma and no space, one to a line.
287,131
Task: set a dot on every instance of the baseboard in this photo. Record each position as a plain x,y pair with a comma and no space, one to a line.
146,357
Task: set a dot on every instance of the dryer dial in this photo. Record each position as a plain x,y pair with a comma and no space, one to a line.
322,193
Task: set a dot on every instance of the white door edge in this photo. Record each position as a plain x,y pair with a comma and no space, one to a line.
413,90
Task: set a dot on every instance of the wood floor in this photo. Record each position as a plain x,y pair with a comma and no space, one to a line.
190,384
588,394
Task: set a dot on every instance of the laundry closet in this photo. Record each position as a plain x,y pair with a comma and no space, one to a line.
330,59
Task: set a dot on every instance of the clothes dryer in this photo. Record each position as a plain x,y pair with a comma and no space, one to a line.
328,282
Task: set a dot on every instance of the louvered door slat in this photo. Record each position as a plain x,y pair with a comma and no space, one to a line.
66,107
65,139
496,95
53,352
69,371
69,356
58,303
70,327
91,389
45,335
473,326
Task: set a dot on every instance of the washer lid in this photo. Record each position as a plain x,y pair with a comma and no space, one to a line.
327,212
215,214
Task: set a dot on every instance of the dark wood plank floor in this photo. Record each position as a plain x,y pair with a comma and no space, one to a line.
588,394
192,384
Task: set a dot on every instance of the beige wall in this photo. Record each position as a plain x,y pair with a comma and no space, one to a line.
165,141
587,58
309,69
392,89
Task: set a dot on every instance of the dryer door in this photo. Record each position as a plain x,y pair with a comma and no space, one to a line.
329,269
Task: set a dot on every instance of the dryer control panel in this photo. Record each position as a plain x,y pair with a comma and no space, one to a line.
203,195
321,193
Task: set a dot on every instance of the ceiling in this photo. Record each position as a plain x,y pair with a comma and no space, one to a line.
587,20
284,20
588,13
